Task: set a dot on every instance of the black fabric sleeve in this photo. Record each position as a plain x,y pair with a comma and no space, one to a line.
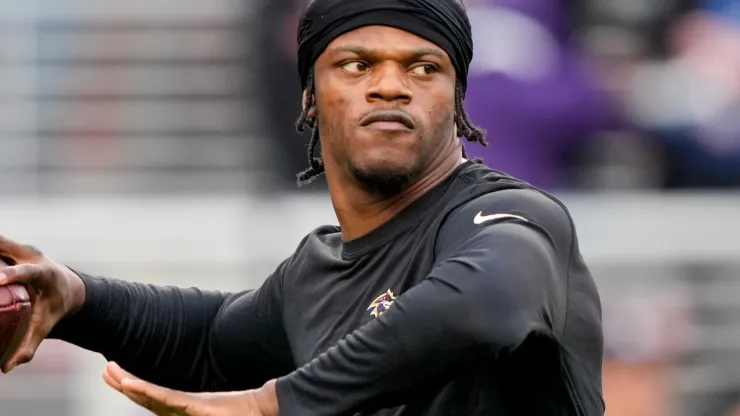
492,287
181,338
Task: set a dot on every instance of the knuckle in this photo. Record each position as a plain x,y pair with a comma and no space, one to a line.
23,269
19,273
13,250
36,271
40,332
31,272
32,250
26,356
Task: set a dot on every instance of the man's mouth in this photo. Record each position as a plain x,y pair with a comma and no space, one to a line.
388,120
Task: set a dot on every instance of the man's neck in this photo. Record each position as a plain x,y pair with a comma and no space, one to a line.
359,211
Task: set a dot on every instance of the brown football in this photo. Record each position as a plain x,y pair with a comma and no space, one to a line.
15,316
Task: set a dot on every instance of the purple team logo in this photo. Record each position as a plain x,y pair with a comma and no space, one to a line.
382,303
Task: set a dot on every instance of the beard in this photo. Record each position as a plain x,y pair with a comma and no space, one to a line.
383,181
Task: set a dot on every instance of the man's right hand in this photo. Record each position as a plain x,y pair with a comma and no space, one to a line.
56,292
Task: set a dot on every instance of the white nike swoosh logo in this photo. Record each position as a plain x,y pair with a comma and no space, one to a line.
480,218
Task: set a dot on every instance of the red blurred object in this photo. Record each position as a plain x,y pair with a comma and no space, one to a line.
15,317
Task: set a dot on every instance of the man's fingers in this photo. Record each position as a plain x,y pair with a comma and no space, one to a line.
37,332
150,404
27,274
118,373
110,381
160,400
16,251
114,375
155,397
135,396
143,401
157,393
20,357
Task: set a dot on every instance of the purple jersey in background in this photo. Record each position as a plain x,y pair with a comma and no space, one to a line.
529,88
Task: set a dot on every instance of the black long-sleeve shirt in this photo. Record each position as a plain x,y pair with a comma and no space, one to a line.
474,300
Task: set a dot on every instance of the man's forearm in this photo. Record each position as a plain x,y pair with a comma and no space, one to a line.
158,333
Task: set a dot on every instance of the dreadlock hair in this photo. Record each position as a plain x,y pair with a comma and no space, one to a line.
465,128
315,164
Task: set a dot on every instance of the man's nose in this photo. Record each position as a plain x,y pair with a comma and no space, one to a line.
389,83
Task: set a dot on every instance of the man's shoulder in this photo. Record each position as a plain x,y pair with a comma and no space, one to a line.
323,235
490,198
490,192
324,239
527,204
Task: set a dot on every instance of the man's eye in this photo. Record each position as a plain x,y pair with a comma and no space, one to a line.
427,69
355,67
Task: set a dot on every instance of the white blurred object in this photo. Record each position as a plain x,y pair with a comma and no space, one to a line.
644,324
113,10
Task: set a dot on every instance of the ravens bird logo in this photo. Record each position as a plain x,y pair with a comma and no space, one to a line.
382,303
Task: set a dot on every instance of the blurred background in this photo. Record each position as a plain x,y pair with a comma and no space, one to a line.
154,141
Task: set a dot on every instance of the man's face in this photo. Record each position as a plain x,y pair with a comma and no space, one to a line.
385,100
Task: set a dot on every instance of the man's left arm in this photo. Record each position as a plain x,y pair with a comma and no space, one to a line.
486,294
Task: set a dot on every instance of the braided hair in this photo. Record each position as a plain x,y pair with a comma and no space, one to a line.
465,128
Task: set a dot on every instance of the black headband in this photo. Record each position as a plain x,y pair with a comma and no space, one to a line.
442,22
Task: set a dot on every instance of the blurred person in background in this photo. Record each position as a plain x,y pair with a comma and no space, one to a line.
532,89
705,142
619,39
692,100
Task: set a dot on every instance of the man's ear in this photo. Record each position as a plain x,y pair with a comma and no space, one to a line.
312,112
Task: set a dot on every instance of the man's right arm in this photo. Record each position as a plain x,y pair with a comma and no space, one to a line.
186,339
